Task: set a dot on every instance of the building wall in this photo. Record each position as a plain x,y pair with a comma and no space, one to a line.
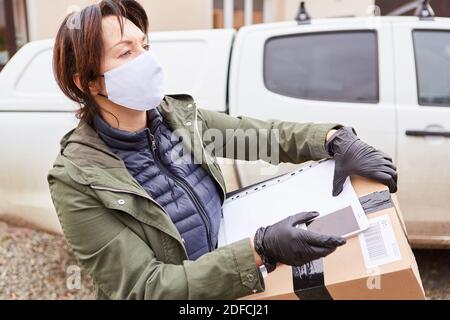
441,7
328,8
45,16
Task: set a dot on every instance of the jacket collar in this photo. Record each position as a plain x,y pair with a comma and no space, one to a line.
90,161
172,110
120,139
84,152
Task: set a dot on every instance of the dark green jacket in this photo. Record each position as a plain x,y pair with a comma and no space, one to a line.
126,241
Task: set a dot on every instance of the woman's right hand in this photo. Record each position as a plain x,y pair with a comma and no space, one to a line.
284,243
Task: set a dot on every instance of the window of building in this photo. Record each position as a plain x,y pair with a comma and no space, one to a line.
432,49
332,66
237,13
13,28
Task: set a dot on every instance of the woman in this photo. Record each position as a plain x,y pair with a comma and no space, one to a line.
143,224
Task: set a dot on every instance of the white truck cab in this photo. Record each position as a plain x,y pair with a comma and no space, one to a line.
388,77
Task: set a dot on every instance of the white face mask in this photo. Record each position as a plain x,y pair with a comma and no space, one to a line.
138,84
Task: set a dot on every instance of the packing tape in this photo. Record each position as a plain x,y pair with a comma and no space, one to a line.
376,201
309,282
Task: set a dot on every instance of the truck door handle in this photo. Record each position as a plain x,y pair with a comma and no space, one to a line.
425,133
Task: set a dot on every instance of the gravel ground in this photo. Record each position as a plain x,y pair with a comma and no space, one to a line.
434,266
37,265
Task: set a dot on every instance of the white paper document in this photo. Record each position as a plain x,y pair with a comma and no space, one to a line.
306,189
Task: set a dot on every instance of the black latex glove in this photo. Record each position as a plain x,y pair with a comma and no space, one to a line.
354,157
286,244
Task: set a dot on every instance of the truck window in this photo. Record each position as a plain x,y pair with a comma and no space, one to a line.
432,50
331,66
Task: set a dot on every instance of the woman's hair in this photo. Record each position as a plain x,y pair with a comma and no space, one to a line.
79,49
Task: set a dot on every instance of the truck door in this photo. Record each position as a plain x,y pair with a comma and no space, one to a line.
422,58
328,71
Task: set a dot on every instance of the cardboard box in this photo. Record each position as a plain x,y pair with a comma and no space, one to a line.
345,273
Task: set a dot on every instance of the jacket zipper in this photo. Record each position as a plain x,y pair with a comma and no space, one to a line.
185,187
205,153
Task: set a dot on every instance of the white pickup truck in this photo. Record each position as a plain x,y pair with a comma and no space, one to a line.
388,77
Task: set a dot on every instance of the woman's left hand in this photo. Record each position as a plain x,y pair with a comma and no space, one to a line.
355,157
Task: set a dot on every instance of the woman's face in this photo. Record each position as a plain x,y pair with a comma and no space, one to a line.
118,50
